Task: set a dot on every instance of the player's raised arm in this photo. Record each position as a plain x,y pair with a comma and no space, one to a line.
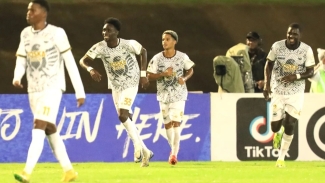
188,73
143,60
84,63
143,73
310,63
188,67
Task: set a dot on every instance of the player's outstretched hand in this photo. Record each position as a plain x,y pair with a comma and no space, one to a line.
80,102
95,75
17,84
144,82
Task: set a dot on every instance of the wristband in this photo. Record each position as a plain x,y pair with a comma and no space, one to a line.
143,74
89,69
298,76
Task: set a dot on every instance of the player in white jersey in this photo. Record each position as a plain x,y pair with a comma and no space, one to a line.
167,68
289,63
122,69
43,51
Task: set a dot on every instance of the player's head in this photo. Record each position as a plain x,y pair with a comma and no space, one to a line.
293,34
37,11
169,39
111,28
253,40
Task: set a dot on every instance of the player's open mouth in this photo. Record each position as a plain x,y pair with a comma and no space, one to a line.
291,40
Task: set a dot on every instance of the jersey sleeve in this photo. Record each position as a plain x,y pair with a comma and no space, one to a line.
152,66
93,52
272,55
74,74
188,64
135,47
61,41
21,52
310,58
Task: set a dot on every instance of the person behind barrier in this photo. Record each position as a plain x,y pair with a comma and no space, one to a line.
257,59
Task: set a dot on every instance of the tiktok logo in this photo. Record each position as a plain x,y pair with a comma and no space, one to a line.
254,133
257,123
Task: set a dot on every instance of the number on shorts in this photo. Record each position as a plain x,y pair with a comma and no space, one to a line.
46,111
127,101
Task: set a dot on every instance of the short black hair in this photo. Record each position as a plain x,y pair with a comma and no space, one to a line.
42,3
172,33
114,21
296,26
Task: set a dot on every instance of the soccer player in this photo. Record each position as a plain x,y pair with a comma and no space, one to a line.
119,59
289,63
43,51
167,68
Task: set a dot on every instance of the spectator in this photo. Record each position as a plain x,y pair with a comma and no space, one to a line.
257,59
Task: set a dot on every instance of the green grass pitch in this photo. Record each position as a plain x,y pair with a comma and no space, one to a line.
183,172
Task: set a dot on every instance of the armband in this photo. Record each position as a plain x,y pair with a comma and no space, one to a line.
143,73
89,69
298,76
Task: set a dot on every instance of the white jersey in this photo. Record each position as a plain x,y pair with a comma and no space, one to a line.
120,63
288,62
42,50
168,88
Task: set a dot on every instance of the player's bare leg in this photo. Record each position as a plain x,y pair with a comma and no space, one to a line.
278,130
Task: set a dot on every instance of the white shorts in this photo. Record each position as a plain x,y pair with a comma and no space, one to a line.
124,99
45,105
172,111
292,104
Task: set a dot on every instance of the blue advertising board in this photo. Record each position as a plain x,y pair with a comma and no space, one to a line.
93,133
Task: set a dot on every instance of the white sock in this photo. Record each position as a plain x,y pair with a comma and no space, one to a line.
132,132
143,145
285,144
170,137
60,151
176,141
35,149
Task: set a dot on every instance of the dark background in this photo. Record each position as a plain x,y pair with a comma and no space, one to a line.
205,31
